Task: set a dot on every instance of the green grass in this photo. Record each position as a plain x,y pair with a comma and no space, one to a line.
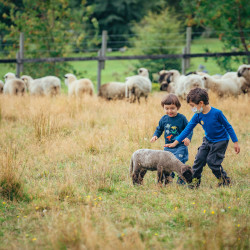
81,195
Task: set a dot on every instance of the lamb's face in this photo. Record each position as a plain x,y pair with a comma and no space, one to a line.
243,70
26,80
69,78
9,76
187,173
143,72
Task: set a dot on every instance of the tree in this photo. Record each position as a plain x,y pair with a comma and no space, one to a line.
117,16
49,27
159,34
229,19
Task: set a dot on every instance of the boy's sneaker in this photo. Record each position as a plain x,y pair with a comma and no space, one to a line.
224,181
194,184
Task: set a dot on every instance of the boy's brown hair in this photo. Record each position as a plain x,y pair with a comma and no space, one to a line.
171,99
197,95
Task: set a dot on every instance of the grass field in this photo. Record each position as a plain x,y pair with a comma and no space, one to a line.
120,69
64,179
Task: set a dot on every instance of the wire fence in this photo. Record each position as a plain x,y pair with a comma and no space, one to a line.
92,48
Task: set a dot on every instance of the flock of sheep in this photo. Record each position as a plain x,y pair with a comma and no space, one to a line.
135,87
231,83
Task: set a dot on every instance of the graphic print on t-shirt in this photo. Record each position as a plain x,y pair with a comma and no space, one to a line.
171,132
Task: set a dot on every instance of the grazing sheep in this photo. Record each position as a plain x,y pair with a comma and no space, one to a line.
221,86
164,162
165,86
13,85
138,86
1,87
48,85
244,71
241,82
112,90
78,87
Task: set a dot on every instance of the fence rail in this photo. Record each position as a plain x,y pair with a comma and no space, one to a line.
106,58
101,57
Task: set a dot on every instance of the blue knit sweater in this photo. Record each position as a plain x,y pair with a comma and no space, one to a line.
215,125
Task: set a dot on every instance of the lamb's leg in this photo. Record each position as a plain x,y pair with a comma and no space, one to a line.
141,176
138,176
167,178
160,174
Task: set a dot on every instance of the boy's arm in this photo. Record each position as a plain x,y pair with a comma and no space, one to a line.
185,125
230,131
159,129
223,120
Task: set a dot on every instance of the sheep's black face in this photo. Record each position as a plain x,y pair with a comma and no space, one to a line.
65,77
162,77
188,174
164,87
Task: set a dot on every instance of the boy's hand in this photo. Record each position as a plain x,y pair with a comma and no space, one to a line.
171,145
154,138
236,147
186,142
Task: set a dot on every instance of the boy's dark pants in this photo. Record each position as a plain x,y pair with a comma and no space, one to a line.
213,154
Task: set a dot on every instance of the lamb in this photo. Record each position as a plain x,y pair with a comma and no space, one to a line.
78,87
244,71
13,85
138,86
1,87
48,85
112,90
164,162
222,86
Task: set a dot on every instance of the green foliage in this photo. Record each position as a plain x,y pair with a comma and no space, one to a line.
159,34
50,30
117,16
227,19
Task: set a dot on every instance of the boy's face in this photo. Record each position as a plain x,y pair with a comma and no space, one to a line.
171,110
197,107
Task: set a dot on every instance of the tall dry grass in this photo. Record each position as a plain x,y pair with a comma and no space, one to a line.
73,158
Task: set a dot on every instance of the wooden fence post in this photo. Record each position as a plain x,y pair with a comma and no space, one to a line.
183,61
20,55
188,45
101,62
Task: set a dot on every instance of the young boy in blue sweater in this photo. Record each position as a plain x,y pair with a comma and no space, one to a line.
173,123
217,131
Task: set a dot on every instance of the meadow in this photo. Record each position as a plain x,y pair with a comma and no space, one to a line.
65,184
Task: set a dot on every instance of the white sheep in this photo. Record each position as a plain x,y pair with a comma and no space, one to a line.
190,82
1,87
244,71
13,85
78,87
112,90
48,85
164,162
226,86
138,85
239,81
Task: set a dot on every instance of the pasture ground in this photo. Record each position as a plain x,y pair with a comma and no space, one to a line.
64,179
